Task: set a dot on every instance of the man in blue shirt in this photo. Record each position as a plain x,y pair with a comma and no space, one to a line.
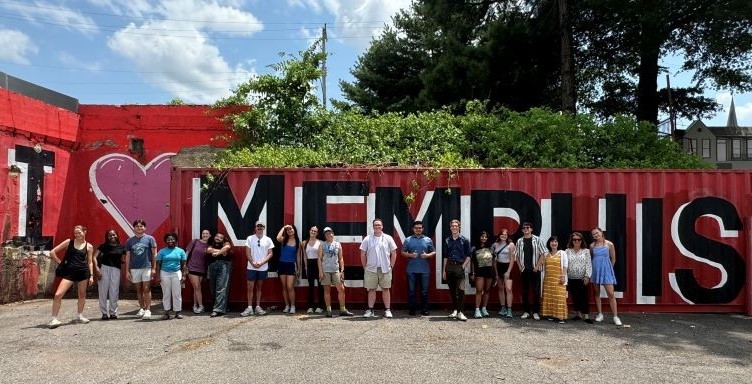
456,260
417,249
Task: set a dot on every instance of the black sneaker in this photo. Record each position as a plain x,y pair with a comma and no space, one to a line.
345,313
113,317
328,313
411,312
105,317
425,313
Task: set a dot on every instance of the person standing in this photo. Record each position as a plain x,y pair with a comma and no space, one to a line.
219,254
378,254
109,259
554,264
604,258
484,272
529,249
288,265
453,271
171,265
311,247
503,248
331,265
579,272
258,252
418,249
140,254
76,267
197,268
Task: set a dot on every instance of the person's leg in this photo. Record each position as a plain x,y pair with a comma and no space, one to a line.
537,292
411,281
486,290
478,291
196,285
57,300
103,288
457,275
526,281
611,299
114,290
177,292
452,283
310,265
371,298
81,290
328,297
386,296
285,291
423,278
165,280
501,288
597,297
223,285
146,289
341,296
508,294
212,274
250,289
259,284
139,292
291,290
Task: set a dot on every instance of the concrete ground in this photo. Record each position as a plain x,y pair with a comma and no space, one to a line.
276,348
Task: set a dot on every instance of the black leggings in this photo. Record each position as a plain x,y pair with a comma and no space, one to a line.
312,271
579,292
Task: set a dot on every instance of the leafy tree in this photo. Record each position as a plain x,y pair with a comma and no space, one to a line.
622,42
280,107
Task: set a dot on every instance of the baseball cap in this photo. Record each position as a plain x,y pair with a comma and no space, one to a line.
261,223
328,229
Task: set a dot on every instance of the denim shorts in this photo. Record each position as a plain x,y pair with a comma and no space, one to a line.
285,268
252,275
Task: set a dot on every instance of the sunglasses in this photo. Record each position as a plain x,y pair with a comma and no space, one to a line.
576,239
259,243
526,227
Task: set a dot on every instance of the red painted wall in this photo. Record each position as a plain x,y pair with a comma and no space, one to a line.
678,234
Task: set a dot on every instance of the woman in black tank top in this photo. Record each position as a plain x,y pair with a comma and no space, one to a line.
76,268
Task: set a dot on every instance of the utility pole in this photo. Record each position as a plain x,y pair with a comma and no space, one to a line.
671,113
323,66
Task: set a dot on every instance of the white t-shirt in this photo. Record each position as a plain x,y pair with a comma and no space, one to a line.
259,248
378,251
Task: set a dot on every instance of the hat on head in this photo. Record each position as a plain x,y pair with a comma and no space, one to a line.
328,229
261,223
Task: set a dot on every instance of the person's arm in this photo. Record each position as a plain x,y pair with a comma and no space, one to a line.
612,253
443,269
588,268
158,262
564,267
540,263
127,264
90,262
341,263
268,255
58,248
153,257
512,251
183,266
467,252
406,250
281,232
96,256
393,254
320,260
430,250
518,254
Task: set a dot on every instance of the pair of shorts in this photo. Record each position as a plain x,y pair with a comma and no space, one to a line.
502,268
371,280
285,268
485,272
253,275
331,278
72,274
194,273
140,275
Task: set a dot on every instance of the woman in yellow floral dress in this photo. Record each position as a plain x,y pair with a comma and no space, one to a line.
554,264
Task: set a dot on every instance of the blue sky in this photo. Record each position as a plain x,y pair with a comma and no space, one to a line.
151,51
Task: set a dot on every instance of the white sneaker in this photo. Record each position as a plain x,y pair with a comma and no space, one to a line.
369,313
81,319
287,309
292,310
617,321
310,310
200,309
477,315
461,316
54,323
388,314
453,315
260,311
535,316
525,315
319,310
599,317
484,312
247,312
147,315
195,309
140,312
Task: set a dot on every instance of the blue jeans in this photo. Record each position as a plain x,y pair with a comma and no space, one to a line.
219,281
422,279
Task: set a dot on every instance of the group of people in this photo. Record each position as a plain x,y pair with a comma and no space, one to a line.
545,266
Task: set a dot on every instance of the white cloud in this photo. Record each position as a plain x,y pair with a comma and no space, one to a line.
16,46
356,18
44,13
173,48
72,61
188,67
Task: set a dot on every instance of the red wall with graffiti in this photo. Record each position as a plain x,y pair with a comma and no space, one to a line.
679,237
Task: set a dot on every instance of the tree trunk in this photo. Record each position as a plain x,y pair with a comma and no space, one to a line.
568,92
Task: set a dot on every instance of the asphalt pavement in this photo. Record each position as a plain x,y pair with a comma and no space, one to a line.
277,348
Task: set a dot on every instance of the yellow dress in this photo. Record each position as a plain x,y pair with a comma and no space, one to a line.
554,300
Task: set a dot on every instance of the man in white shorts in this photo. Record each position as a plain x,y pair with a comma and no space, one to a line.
378,253
140,263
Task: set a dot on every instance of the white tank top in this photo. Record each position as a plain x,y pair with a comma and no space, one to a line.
312,252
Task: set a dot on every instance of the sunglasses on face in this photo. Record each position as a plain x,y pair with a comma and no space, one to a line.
525,227
576,239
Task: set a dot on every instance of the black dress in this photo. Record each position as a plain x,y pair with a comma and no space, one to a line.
74,266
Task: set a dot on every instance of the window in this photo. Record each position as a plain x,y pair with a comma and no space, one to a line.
706,148
692,146
749,149
721,150
736,149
